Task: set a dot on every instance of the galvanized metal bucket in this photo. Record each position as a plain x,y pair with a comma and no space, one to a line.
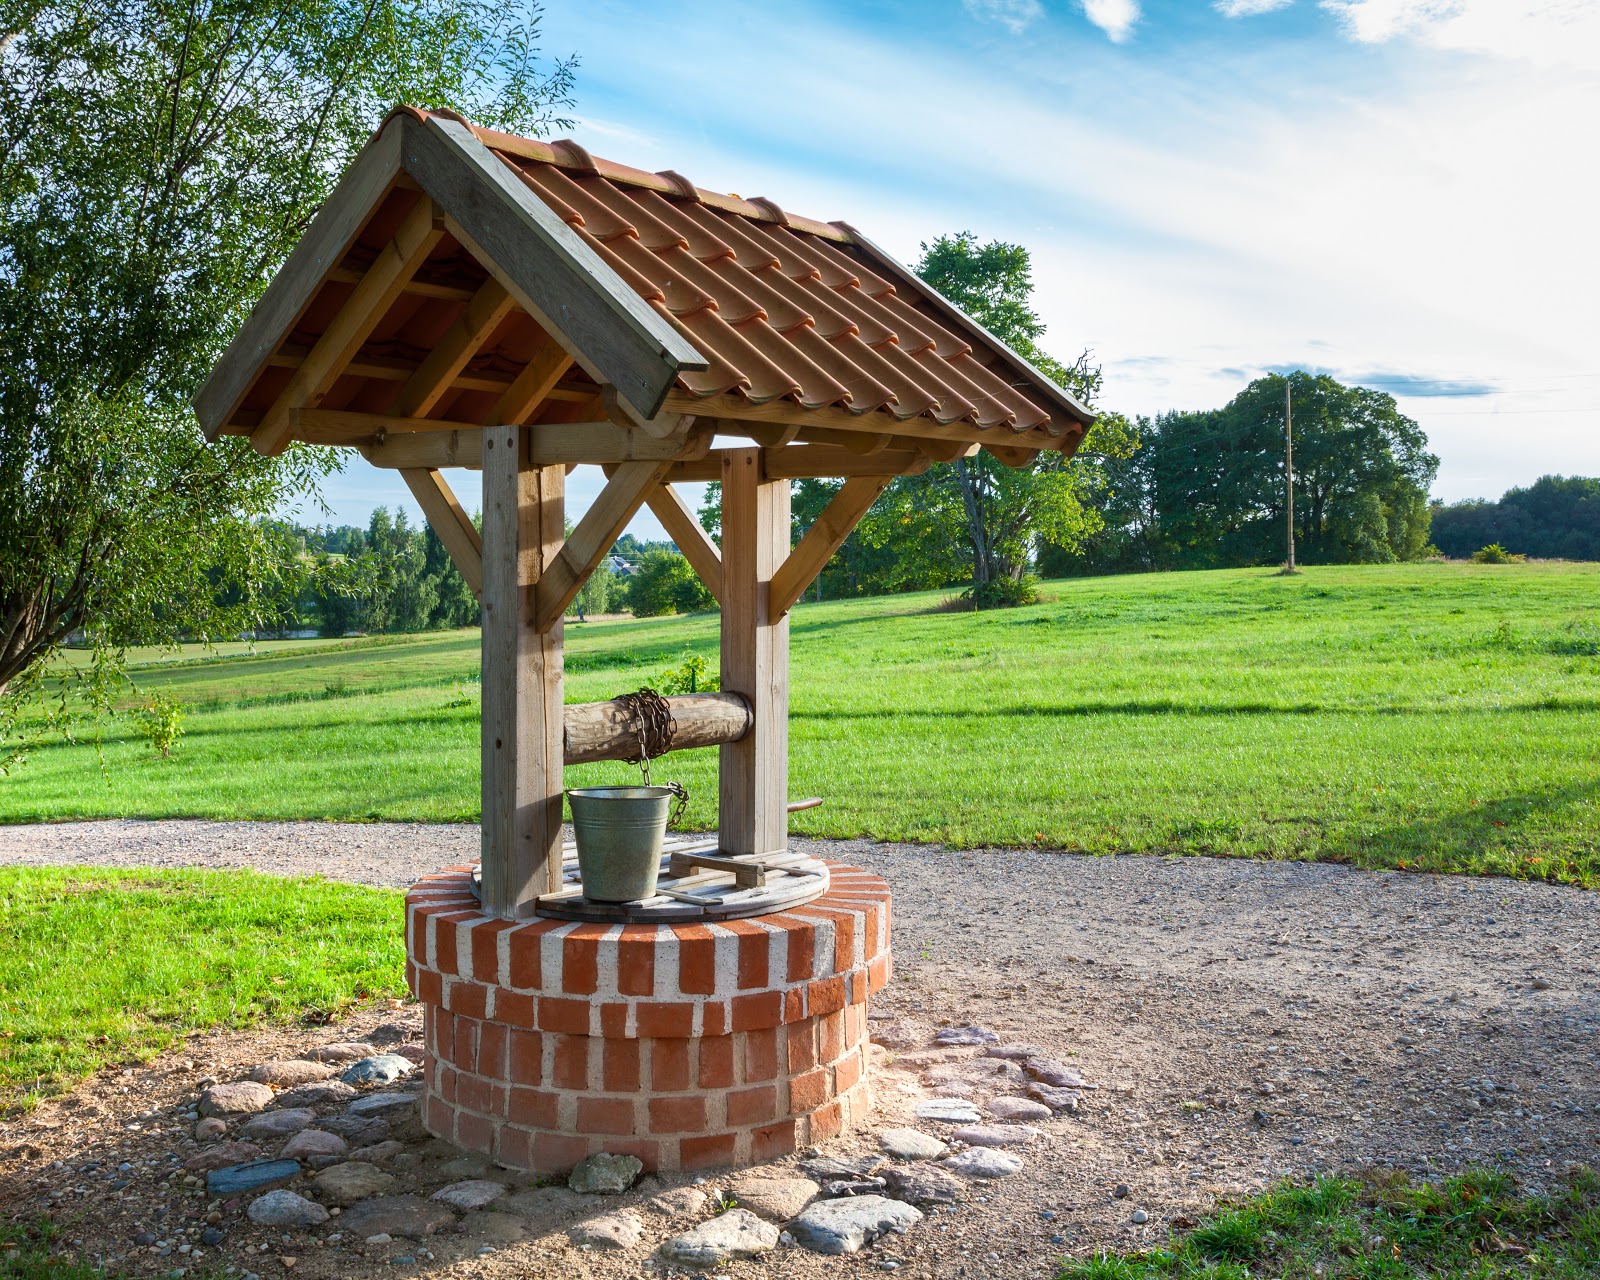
619,832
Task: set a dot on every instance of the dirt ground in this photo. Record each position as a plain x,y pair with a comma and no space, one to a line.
1245,1021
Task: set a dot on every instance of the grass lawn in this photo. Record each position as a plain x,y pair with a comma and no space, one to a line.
1439,716
99,967
1475,1226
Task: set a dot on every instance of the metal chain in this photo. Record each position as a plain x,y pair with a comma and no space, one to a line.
653,726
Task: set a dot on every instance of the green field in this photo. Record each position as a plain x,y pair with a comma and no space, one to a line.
1438,716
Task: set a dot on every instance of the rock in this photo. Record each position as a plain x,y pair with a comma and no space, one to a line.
321,1094
988,1071
358,1131
471,1194
834,1169
278,1124
284,1072
1018,1109
502,1228
1013,1052
381,1104
548,1202
738,1233
257,1175
383,1068
378,1153
958,1089
462,1167
345,1184
776,1198
416,1052
852,1187
845,1226
210,1129
948,1111
681,1202
922,1184
243,1098
211,1237
911,1144
285,1209
996,1135
604,1174
409,1216
965,1036
221,1156
313,1142
349,1051
1062,1101
984,1162
1049,1071
621,1230
1120,1191
900,1035
1140,1217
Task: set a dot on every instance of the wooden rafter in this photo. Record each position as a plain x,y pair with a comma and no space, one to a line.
478,319
450,522
825,536
529,388
418,233
685,529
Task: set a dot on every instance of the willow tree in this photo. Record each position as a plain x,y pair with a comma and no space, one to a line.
157,162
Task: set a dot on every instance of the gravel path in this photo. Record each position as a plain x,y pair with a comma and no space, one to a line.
1244,1019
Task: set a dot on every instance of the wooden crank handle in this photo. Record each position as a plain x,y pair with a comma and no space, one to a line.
796,805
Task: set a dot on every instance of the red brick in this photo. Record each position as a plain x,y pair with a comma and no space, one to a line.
513,1008
760,1055
447,1083
697,960
467,997
514,1147
492,1051
830,1037
444,941
605,1115
441,1033
753,1106
847,1071
827,1122
825,996
526,1055
855,1023
808,1091
430,987
802,1049
772,1140
645,1150
754,1011
878,972
465,1051
619,1065
580,960
486,949
614,1020
714,1018
535,1107
666,1020
669,1066
706,1150
794,1004
636,960
439,1118
474,1093
677,1115
557,1153
716,1062
524,970
569,1016
570,1070
411,975
858,987
802,945
844,932
755,950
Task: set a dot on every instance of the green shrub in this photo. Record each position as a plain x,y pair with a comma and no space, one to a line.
1003,593
160,722
665,583
1494,553
693,676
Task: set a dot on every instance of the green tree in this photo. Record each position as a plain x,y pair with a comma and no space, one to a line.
158,159
665,583
595,595
455,605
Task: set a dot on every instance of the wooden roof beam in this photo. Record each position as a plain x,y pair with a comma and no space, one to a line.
809,462
573,443
478,319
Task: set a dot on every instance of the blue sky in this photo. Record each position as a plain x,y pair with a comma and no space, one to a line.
1397,192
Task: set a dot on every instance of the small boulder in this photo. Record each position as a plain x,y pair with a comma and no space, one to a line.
900,1035
382,1068
621,1230
1015,1109
911,1144
922,1184
257,1175
948,1111
416,1052
604,1174
681,1202
321,1094
738,1233
313,1142
996,1135
409,1216
210,1129
349,1051
1049,1071
843,1168
244,1097
471,1194
346,1184
462,1167
221,1156
382,1104
286,1209
285,1072
846,1226
278,1124
778,1199
1013,1052
502,1228
548,1203
984,1162
1061,1101
378,1152
965,1036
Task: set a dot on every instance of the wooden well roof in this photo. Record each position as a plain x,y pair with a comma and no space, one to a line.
461,277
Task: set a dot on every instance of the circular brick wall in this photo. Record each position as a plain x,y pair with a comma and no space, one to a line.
685,1045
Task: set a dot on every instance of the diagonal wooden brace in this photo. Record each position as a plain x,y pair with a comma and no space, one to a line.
450,522
825,536
684,527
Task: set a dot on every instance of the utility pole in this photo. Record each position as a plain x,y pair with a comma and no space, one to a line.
1288,467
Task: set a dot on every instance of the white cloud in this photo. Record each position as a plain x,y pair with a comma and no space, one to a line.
1248,8
1115,17
1013,15
1545,32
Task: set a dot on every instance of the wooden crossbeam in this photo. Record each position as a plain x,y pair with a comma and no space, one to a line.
418,233
292,355
386,443
450,522
809,461
600,527
478,319
825,536
684,528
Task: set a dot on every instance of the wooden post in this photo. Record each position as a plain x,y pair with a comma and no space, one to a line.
754,786
522,671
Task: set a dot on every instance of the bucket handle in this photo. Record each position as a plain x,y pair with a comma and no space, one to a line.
681,793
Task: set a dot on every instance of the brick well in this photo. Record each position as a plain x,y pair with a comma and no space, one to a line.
686,1045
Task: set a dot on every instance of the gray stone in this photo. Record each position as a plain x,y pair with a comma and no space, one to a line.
1061,1101
965,1036
911,1144
948,1111
383,1068
212,1236
621,1230
313,1142
1013,1052
984,1162
378,1152
835,1168
1140,1217
278,1124
922,1184
604,1174
996,1135
738,1233
347,1051
221,1156
285,1209
358,1131
257,1175
474,1193
382,1104
409,1216
1018,1109
846,1226
346,1184
681,1202
242,1098
852,1187
502,1228
464,1167
1059,1074
776,1198
548,1202
210,1129
900,1035
284,1072
321,1094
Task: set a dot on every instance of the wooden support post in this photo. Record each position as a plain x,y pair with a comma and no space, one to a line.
754,784
522,674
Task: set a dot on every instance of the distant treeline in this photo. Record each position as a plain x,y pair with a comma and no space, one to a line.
1556,517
